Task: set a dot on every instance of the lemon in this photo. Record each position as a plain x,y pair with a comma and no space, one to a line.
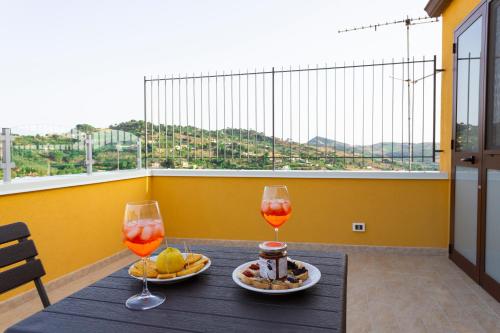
170,260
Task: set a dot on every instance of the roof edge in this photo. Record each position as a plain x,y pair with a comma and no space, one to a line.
435,8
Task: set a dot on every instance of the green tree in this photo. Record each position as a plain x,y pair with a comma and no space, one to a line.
85,128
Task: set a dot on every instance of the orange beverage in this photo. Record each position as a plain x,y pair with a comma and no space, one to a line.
143,236
276,211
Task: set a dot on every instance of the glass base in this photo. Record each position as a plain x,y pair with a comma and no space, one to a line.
144,301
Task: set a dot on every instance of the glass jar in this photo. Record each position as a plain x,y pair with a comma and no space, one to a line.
273,260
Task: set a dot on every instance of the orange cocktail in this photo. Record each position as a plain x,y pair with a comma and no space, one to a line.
276,207
143,236
276,211
143,232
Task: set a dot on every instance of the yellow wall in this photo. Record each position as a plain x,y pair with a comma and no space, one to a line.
77,226
453,15
73,227
396,212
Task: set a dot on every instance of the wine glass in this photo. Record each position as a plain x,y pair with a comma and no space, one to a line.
143,232
276,207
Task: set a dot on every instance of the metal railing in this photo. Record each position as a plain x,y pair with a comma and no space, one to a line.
72,153
358,116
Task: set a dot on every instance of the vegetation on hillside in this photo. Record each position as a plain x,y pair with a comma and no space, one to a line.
191,147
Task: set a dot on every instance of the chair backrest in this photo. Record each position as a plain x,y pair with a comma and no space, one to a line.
23,250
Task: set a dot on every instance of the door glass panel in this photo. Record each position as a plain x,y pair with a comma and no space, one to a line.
493,225
465,227
493,113
468,87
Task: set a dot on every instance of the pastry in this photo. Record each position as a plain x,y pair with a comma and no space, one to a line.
278,285
293,282
261,283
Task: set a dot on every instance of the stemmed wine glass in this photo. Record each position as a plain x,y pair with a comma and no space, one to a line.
143,232
276,207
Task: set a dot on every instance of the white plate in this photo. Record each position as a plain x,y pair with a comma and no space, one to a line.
313,272
176,279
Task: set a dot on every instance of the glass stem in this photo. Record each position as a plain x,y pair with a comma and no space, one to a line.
276,234
145,291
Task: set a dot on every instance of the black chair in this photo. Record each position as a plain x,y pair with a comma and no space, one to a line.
24,249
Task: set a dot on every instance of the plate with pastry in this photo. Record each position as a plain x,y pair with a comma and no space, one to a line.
299,276
170,266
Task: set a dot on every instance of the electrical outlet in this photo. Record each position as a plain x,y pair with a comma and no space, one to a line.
358,227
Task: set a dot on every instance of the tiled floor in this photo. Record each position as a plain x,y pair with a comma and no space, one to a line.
406,293
386,293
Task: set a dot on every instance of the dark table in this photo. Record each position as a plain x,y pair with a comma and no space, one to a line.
209,302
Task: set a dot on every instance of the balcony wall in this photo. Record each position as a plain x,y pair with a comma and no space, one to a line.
76,226
397,212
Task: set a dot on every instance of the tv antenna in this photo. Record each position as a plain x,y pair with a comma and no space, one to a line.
408,22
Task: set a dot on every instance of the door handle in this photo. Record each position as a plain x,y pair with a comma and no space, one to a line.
470,159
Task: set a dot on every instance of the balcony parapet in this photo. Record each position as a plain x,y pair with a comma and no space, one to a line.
426,175
31,184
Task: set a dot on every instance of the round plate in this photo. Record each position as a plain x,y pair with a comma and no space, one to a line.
176,279
314,276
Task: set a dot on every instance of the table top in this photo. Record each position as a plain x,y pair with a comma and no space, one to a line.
209,302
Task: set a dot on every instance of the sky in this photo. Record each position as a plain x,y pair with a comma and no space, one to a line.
68,62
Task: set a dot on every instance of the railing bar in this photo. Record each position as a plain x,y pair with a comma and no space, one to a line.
353,109
382,114
413,112
166,123
224,130
145,126
282,108
180,119
423,109
297,70
256,118
159,121
264,104
291,118
172,127
434,110
326,113
239,108
344,141
402,114
248,118
363,117
217,117
264,107
335,115
232,118
317,112
201,116
272,121
300,146
194,118
188,135
209,121
373,106
392,116
152,124
308,114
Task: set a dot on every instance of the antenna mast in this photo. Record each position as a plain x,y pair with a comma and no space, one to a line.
407,22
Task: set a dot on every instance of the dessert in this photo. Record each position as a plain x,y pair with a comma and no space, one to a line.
295,275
